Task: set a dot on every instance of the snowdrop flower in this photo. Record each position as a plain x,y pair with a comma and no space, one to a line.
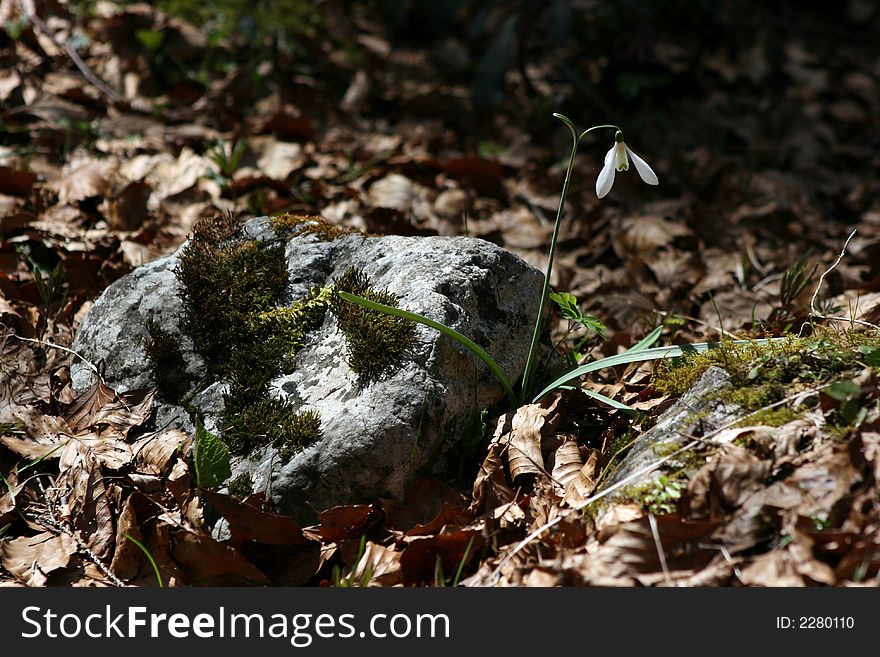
617,159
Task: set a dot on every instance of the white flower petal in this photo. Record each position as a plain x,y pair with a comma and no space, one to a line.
621,162
646,172
606,176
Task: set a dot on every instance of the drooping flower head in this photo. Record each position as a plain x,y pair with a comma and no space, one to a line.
617,159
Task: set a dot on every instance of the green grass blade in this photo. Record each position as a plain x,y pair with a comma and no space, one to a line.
633,356
648,340
602,398
452,333
148,555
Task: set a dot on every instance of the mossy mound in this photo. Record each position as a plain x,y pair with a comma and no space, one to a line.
377,343
764,375
231,289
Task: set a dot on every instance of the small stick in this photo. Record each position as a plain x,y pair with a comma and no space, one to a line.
28,8
52,345
656,534
815,311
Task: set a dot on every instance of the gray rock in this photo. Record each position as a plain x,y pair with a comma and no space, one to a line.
698,411
375,438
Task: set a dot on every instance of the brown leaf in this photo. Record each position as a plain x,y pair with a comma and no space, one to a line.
128,410
567,462
523,441
419,558
86,407
249,523
154,453
87,497
426,500
110,451
581,485
209,563
793,566
490,487
724,483
379,565
393,191
641,235
127,556
31,558
127,209
16,183
82,182
343,522
484,175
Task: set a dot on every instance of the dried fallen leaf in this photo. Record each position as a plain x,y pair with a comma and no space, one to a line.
86,407
209,563
154,453
249,523
344,522
380,564
523,441
127,556
420,557
581,485
31,558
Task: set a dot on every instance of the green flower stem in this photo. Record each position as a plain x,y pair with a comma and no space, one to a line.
421,319
536,334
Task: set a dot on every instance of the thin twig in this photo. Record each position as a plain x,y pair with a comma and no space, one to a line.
52,345
814,311
31,14
652,521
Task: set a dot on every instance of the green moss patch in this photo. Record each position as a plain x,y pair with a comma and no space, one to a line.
231,289
377,343
289,225
764,374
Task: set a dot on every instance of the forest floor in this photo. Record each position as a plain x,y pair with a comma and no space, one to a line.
121,130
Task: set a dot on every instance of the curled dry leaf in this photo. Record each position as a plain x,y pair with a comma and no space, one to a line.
86,407
580,486
490,487
567,462
381,563
344,522
127,556
793,566
87,180
31,558
154,453
726,482
86,495
110,450
523,440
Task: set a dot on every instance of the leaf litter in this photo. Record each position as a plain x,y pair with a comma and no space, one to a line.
92,190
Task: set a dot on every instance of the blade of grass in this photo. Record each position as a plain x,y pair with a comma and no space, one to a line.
632,356
452,333
148,555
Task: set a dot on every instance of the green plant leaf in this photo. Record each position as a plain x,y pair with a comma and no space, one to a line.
452,333
635,355
211,459
871,353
